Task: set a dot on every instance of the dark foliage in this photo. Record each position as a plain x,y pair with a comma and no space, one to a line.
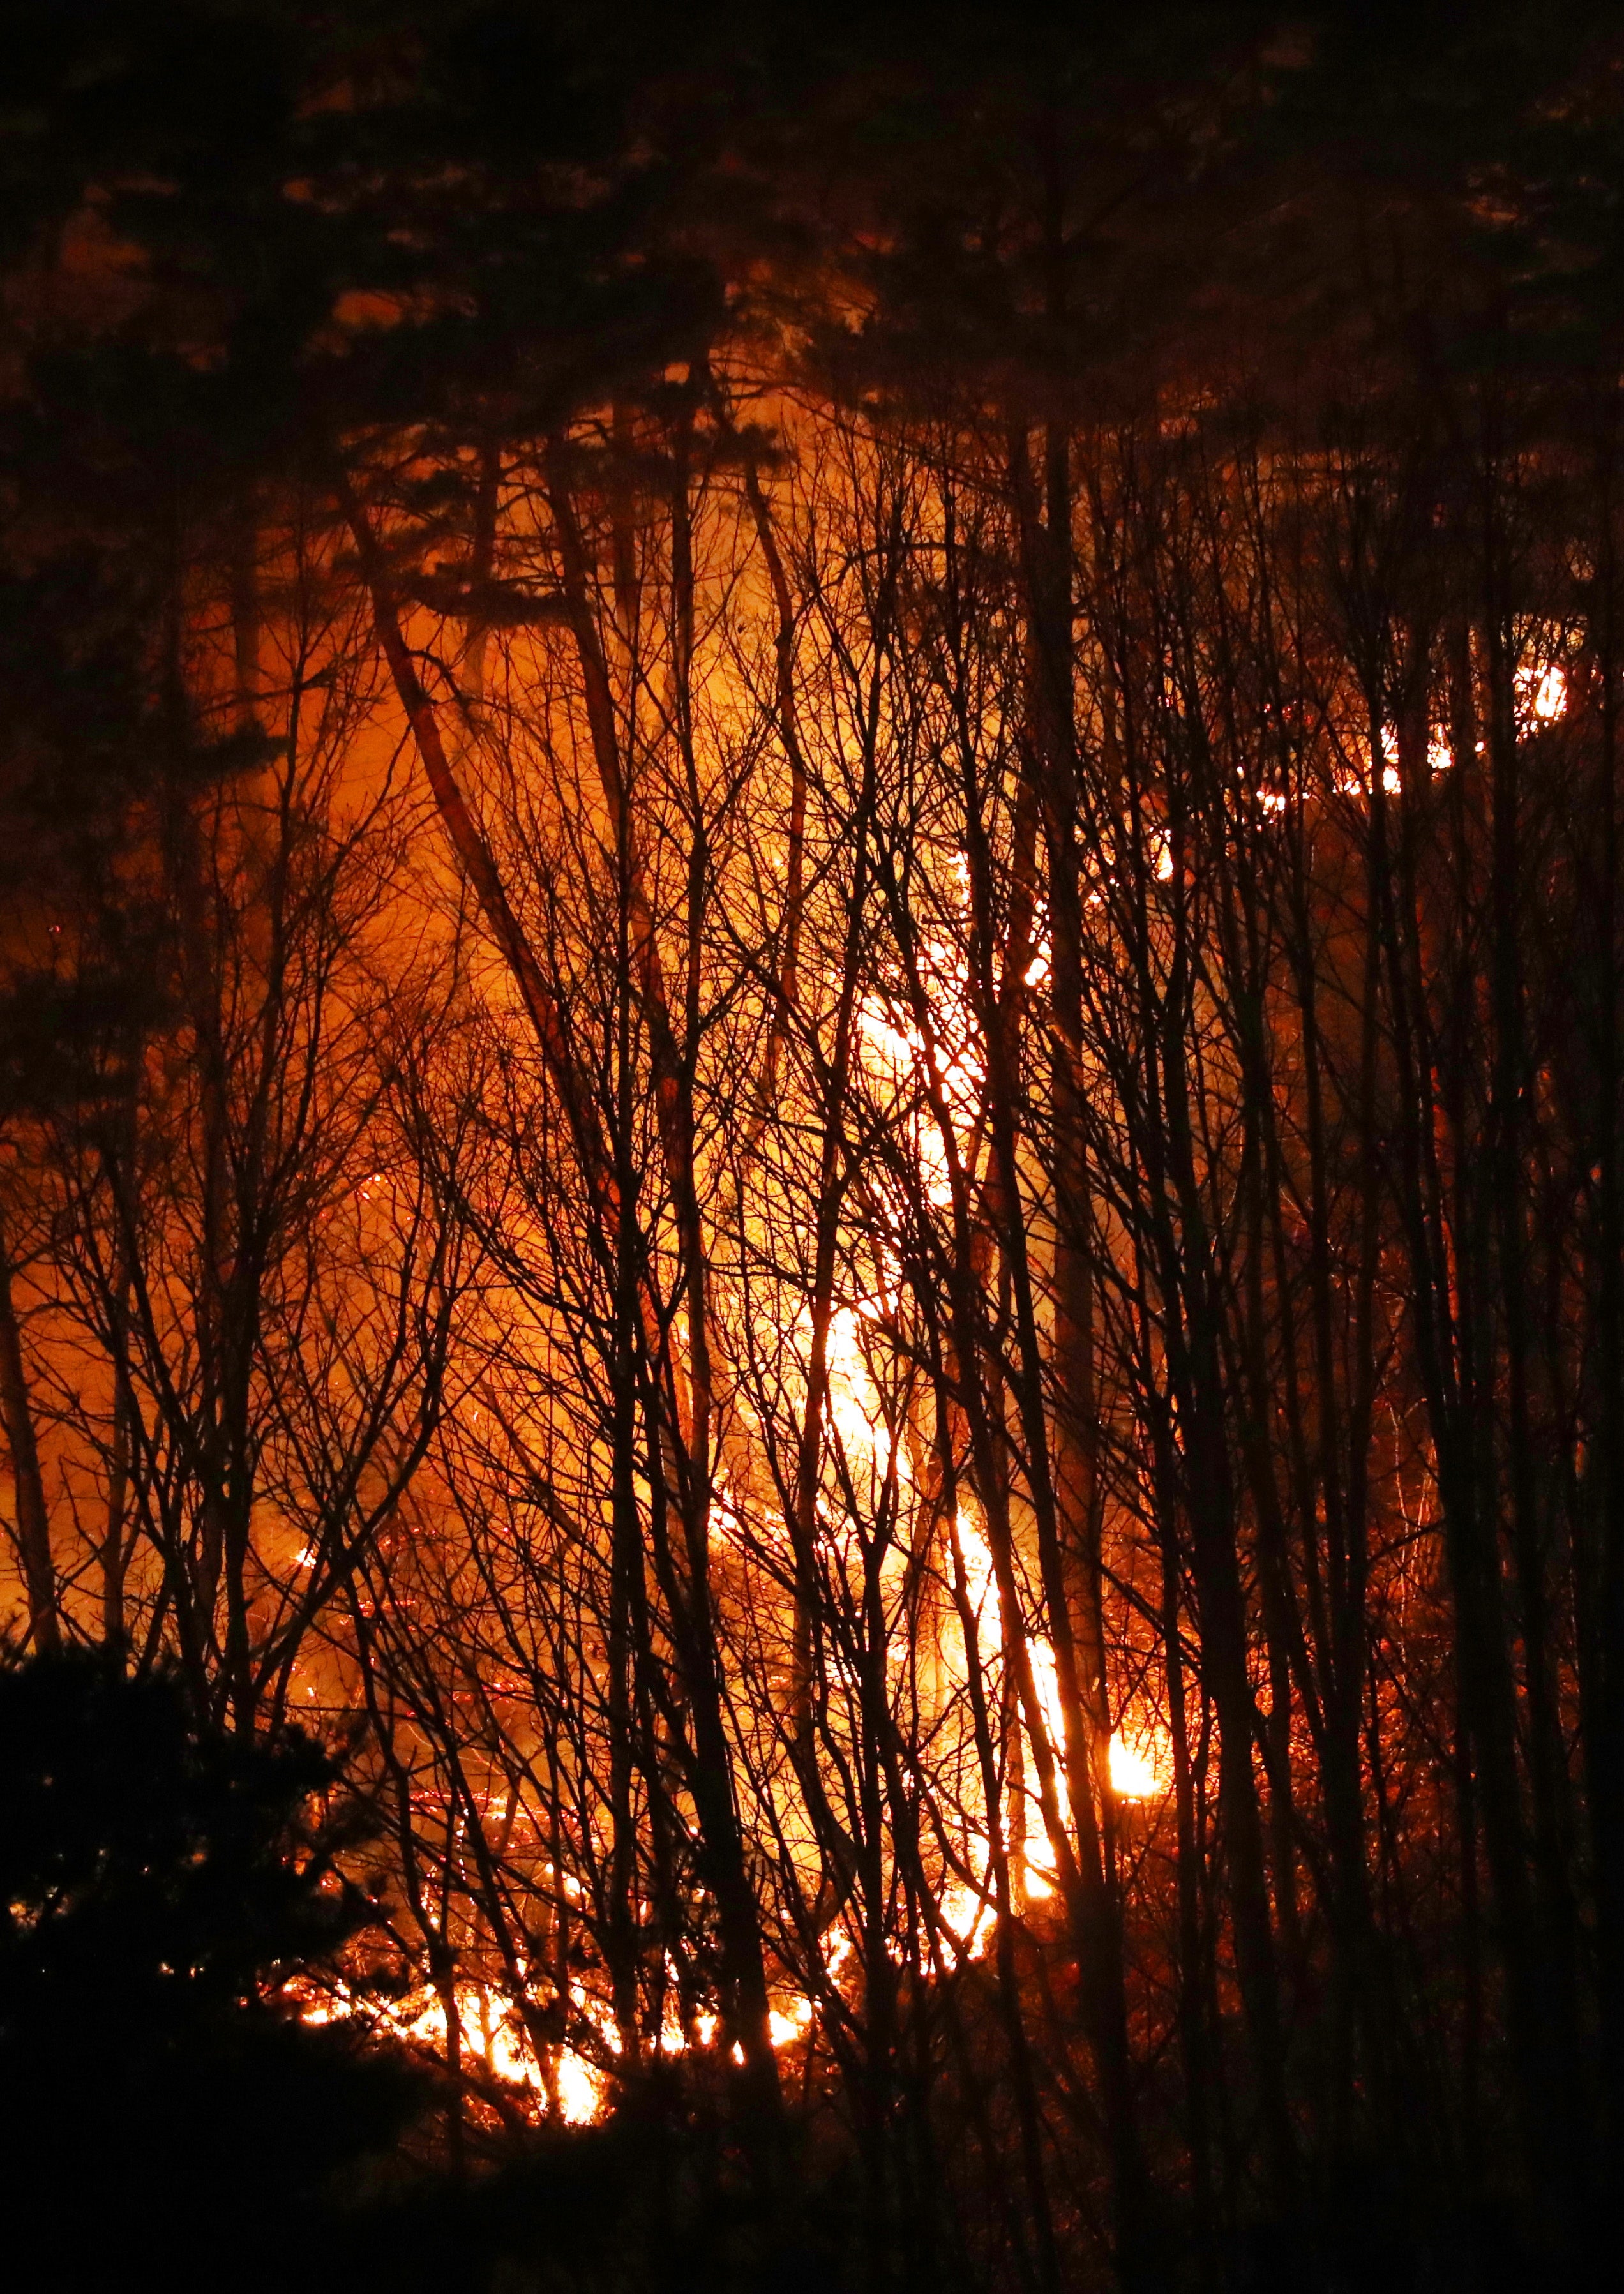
163,2110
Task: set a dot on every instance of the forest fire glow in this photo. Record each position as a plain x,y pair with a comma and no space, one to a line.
811,1071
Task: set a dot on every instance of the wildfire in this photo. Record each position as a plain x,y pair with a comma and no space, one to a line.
786,2025
580,2091
1133,1775
1542,693
571,2086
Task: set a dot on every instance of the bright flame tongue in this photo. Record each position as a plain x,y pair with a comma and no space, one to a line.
1132,1776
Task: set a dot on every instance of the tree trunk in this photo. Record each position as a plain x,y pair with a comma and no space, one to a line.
27,1482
